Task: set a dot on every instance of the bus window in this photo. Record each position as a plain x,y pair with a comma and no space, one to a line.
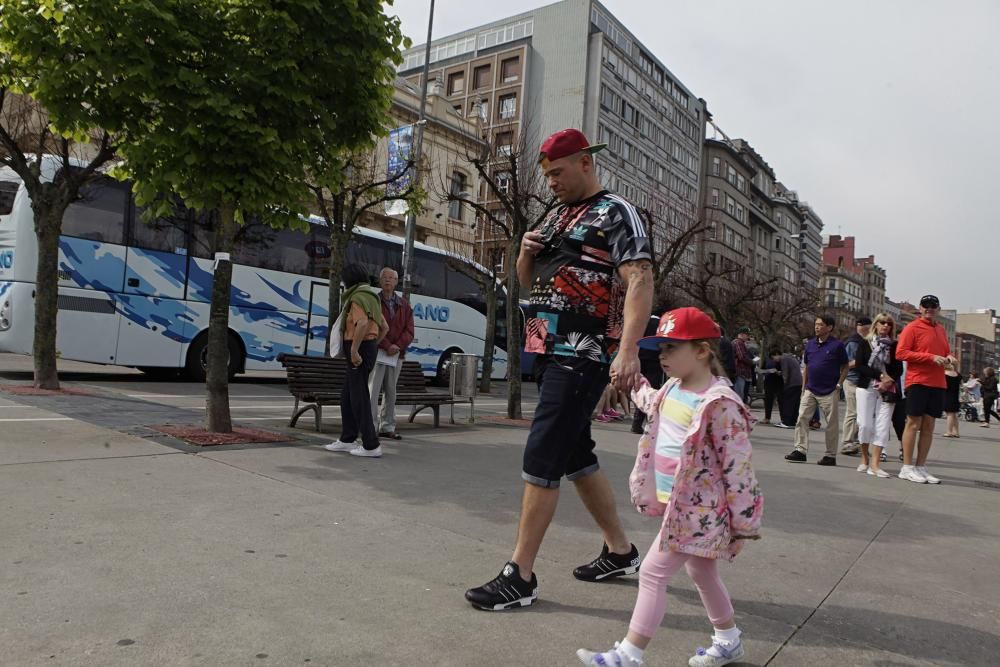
369,253
168,234
319,251
203,235
428,274
99,213
464,289
8,190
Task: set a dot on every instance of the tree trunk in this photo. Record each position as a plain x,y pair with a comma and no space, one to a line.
48,221
217,383
490,343
340,234
514,343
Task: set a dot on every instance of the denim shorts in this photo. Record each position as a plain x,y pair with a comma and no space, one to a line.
560,444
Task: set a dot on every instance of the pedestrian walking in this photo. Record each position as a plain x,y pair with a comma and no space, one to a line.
590,277
825,368
362,328
391,352
791,390
694,470
923,345
877,393
744,364
773,383
857,354
728,357
990,394
649,365
953,384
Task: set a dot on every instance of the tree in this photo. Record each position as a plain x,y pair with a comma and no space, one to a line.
673,230
345,193
517,200
27,135
229,104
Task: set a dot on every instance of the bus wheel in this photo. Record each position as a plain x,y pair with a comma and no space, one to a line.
196,368
444,368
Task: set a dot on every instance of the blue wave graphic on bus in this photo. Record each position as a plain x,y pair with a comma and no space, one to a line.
4,288
295,297
169,315
199,283
148,265
91,264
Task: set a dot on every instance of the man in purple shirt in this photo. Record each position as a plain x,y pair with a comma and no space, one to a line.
825,360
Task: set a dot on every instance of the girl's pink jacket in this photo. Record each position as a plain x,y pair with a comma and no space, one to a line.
716,502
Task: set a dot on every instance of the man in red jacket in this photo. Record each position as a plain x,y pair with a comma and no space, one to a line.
924,347
399,316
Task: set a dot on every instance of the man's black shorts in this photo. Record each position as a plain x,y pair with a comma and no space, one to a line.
924,401
559,443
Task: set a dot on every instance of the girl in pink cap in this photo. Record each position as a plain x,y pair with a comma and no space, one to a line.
693,469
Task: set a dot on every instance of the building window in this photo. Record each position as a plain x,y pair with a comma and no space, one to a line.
741,183
458,184
714,199
504,141
510,69
730,206
739,213
503,182
716,166
730,174
458,109
456,83
481,77
508,106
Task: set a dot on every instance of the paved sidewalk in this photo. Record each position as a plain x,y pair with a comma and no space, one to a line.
119,551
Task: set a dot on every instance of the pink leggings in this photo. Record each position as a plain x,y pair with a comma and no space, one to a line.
657,569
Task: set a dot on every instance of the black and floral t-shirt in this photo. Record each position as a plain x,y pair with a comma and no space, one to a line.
577,300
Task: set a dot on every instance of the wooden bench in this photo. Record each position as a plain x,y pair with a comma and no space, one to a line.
319,380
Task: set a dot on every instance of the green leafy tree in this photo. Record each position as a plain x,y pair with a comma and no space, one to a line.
230,104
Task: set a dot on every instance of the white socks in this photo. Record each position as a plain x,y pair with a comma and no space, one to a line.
729,639
631,651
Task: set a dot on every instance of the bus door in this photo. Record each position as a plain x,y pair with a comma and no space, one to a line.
153,311
318,323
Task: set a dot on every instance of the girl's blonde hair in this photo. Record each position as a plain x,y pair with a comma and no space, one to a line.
714,356
882,317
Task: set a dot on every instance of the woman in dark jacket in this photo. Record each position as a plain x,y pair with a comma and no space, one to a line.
990,393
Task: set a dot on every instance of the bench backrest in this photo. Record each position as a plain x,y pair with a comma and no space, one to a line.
314,375
411,378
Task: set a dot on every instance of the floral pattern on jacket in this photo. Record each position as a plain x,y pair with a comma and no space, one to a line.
716,502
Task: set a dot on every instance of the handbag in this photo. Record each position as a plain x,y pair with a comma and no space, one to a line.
890,395
337,337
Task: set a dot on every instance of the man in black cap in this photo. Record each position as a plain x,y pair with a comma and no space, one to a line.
858,349
923,345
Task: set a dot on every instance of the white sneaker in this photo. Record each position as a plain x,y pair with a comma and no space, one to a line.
911,474
721,653
370,453
614,657
929,478
338,446
878,473
863,467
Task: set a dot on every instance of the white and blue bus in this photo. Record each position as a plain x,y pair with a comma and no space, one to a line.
137,294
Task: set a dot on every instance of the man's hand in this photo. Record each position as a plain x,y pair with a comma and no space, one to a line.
393,350
625,370
531,243
940,361
952,361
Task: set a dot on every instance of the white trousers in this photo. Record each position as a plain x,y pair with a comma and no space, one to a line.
874,418
383,379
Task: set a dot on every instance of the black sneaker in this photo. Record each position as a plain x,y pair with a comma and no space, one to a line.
827,461
507,590
795,456
609,565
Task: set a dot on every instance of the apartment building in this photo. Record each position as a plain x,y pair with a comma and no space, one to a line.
985,324
573,64
851,286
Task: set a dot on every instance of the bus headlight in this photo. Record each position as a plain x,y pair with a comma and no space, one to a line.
6,311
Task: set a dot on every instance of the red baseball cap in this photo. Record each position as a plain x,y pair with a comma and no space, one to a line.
565,143
680,325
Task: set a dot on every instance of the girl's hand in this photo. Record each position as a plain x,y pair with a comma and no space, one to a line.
355,358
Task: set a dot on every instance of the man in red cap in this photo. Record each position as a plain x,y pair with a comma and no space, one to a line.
589,269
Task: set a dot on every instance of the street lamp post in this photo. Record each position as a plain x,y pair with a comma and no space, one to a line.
418,141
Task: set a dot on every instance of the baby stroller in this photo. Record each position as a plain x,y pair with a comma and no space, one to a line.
968,406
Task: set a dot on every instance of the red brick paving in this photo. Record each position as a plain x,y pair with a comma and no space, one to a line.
240,436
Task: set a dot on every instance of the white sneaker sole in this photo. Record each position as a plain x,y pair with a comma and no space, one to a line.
367,454
711,661
339,448
620,572
513,604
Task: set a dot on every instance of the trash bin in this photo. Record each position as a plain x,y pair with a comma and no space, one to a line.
464,382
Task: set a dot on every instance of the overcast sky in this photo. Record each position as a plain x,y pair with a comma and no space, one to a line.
884,115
